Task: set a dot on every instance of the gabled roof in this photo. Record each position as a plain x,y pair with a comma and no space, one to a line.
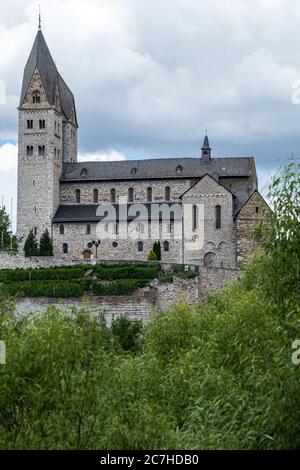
249,198
211,177
160,168
40,58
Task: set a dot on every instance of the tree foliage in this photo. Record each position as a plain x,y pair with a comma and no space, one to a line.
152,256
157,250
46,244
215,376
31,247
7,240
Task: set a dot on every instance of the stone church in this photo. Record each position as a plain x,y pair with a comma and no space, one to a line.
202,209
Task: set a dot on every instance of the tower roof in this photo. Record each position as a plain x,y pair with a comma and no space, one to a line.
40,58
206,143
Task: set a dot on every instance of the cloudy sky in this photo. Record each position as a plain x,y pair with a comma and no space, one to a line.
149,76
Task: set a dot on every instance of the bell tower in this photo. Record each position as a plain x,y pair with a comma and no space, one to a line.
206,150
47,138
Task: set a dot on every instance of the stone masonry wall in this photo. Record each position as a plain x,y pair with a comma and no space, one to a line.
77,238
157,297
251,215
219,244
68,190
214,279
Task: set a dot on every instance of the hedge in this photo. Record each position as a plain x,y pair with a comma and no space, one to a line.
63,289
121,287
66,289
104,272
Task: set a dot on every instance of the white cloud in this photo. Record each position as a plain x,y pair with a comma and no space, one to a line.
150,76
8,177
110,156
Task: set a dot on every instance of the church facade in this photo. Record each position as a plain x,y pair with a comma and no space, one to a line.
202,210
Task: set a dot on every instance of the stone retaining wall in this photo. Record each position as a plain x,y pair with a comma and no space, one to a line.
158,296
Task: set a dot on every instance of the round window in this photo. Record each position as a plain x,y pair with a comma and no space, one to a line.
115,245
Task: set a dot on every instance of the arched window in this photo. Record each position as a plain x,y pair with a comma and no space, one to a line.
112,195
65,248
42,124
149,194
166,245
88,229
42,150
96,196
78,194
140,246
195,218
218,217
167,193
29,151
62,229
36,98
130,195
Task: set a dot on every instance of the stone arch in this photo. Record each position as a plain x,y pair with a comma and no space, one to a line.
210,259
223,245
210,246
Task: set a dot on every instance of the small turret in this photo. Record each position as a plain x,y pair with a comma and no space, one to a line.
206,150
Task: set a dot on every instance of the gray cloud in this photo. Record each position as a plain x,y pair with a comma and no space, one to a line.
150,76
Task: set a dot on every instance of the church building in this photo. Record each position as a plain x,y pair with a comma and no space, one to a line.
202,210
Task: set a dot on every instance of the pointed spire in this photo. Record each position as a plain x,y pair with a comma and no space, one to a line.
206,149
40,19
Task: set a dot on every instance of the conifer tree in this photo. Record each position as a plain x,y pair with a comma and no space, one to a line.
46,245
157,250
31,246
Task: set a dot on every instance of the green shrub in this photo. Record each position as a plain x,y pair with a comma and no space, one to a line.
46,245
63,289
157,250
152,256
128,332
121,287
31,247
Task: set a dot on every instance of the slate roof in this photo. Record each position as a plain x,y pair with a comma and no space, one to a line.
40,58
160,168
88,212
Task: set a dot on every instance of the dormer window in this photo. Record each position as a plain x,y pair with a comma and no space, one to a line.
83,172
133,171
179,169
36,98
